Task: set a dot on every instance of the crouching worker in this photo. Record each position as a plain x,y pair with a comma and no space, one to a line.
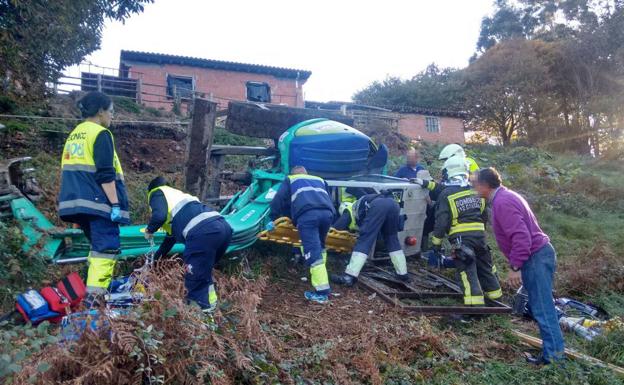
305,200
204,232
461,214
371,215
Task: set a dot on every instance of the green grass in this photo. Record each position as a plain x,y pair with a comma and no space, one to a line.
519,373
127,105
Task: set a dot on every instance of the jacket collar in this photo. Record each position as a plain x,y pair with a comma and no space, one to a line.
494,193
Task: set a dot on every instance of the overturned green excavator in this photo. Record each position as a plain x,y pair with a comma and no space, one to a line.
339,153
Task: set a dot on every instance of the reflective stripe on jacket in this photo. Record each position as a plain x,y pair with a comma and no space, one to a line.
184,211
459,211
308,192
80,193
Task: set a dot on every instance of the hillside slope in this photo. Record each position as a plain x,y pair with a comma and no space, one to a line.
267,333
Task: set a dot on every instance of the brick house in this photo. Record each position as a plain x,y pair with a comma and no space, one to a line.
420,124
162,78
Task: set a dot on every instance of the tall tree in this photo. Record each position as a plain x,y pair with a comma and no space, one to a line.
39,38
581,108
505,87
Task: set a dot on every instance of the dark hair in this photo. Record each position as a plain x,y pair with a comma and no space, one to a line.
93,102
157,182
490,177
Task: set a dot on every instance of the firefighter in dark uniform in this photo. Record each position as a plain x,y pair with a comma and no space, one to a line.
305,200
371,215
460,213
204,232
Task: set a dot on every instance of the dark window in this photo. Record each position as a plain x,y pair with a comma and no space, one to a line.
181,86
258,92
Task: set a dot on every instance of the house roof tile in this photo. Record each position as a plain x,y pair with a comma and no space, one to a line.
159,58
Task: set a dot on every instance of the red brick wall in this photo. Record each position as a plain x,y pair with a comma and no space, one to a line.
221,84
413,126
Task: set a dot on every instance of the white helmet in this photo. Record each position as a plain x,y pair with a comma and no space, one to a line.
456,166
450,151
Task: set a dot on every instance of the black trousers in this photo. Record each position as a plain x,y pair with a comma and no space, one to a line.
477,277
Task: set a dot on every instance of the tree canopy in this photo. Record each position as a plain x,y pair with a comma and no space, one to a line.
39,38
434,87
548,71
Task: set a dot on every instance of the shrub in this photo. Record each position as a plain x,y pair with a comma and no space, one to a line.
17,270
7,105
597,270
164,339
13,126
21,343
125,104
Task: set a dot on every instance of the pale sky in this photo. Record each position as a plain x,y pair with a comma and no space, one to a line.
345,43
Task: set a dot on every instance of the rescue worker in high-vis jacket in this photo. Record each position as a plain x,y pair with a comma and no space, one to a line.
452,150
204,232
93,194
461,214
371,215
305,200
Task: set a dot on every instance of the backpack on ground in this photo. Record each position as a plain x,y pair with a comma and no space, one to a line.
56,301
73,288
33,307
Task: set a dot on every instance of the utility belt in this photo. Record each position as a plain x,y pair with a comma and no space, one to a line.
462,251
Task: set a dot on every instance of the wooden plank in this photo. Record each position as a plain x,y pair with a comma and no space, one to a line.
219,149
261,120
573,354
199,144
214,177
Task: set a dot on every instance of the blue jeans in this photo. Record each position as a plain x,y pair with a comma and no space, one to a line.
537,277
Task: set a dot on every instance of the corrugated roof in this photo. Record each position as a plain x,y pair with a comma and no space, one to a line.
159,58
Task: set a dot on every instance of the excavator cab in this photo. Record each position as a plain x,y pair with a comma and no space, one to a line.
330,149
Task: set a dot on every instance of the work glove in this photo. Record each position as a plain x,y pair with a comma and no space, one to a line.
434,257
115,214
270,226
421,182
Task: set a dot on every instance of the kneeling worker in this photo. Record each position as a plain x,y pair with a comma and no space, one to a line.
305,200
460,213
204,232
371,215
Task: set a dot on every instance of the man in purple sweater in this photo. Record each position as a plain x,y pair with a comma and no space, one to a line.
532,258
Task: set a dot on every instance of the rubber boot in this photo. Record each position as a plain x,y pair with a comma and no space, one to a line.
405,278
343,279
